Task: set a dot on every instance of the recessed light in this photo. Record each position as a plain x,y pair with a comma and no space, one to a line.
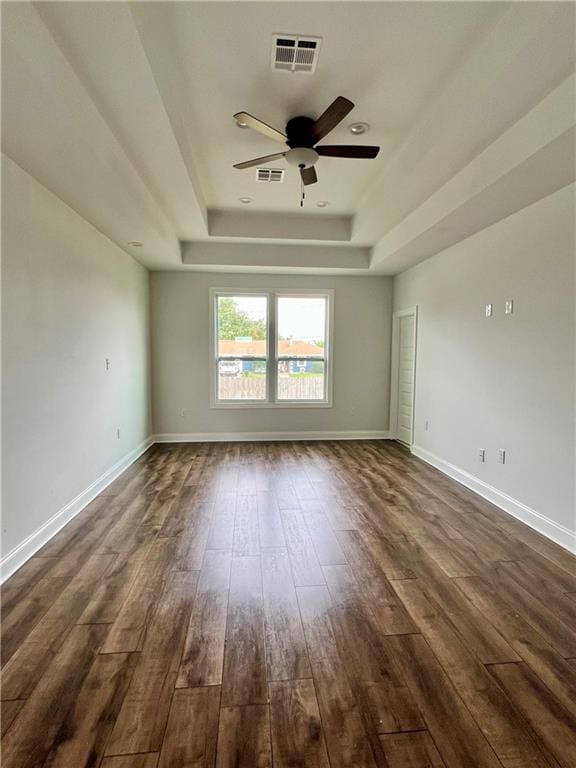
135,244
245,200
322,204
358,128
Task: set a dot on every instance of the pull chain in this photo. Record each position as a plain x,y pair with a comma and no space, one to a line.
301,188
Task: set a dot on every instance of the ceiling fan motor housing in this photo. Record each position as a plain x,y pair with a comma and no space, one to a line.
299,132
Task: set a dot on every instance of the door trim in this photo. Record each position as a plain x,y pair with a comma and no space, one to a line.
394,368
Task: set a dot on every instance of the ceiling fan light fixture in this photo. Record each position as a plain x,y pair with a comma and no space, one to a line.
357,129
302,157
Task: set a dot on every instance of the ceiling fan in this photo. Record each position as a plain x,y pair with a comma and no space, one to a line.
301,137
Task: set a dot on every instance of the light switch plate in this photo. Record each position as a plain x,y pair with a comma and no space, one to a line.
509,307
488,310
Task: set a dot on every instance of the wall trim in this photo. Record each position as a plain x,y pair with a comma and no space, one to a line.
536,520
41,536
247,437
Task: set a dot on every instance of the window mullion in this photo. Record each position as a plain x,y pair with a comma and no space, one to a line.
272,347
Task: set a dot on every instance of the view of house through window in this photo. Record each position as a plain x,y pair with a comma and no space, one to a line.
271,348
242,347
300,347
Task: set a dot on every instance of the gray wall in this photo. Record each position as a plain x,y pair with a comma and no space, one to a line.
71,299
180,356
507,381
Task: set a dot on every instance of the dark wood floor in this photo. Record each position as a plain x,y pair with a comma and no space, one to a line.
290,604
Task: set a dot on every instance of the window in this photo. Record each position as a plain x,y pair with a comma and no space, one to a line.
271,349
242,355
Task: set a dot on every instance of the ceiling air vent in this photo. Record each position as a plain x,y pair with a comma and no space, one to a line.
295,53
270,175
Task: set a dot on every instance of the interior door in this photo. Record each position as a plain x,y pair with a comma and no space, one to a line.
406,366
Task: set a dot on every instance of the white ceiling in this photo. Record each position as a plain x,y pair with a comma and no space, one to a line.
125,110
387,58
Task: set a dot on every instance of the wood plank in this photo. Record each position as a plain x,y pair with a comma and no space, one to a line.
142,719
113,589
509,734
192,541
192,730
270,521
462,746
74,560
203,656
546,573
536,608
556,673
21,583
553,724
246,535
38,727
83,735
346,738
149,760
552,552
286,654
8,712
328,550
480,636
126,531
244,676
221,533
306,569
447,557
297,737
392,617
341,516
129,630
390,559
411,750
244,737
374,676
20,621
36,653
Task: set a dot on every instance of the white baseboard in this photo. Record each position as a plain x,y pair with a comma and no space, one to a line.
536,520
18,556
248,437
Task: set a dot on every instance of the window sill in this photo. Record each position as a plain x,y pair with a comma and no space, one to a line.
251,405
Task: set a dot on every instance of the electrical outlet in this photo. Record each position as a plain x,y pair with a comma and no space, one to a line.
509,307
426,425
488,310
482,455
108,364
501,456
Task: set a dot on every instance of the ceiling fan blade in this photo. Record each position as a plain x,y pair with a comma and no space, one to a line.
348,150
308,175
258,125
329,119
260,160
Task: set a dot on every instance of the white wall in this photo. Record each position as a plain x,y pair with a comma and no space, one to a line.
507,381
71,299
180,355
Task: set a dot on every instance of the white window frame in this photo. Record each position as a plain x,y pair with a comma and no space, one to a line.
272,357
